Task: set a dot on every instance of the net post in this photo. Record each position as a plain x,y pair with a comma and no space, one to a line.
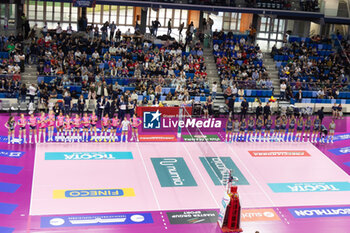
180,119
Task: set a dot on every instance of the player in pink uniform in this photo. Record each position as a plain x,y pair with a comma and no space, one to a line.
114,125
76,123
86,124
135,122
22,122
32,121
68,128
59,127
51,124
105,126
42,121
93,122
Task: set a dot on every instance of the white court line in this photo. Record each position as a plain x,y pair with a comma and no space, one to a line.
32,191
211,194
149,178
246,168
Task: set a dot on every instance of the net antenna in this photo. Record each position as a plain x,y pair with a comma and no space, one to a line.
220,171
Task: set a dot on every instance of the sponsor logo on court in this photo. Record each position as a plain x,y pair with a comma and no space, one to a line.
340,151
95,220
192,217
320,212
5,139
253,215
309,187
121,192
341,137
153,120
157,138
279,153
173,172
201,138
11,153
218,170
98,155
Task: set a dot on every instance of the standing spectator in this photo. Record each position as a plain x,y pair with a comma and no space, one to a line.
182,25
283,88
231,106
299,96
81,105
156,25
320,114
67,100
214,89
69,29
112,28
209,103
169,27
58,29
267,110
23,93
259,111
244,108
100,106
32,92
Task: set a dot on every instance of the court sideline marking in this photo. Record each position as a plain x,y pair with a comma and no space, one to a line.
149,178
200,174
34,169
250,173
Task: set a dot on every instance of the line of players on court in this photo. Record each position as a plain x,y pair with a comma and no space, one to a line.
69,128
283,129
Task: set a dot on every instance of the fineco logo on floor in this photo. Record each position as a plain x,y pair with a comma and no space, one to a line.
309,187
97,155
279,153
253,215
153,120
173,172
339,211
95,220
121,192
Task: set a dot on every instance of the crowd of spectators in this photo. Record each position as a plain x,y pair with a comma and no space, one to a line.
239,64
311,64
102,66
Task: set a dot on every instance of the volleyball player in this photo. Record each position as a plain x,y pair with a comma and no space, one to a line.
76,129
251,124
268,124
331,131
259,125
323,133
105,126
93,129
135,122
276,131
291,129
283,127
10,125
22,122
125,127
114,126
228,131
334,111
235,130
42,126
307,128
316,129
86,123
68,128
32,121
59,127
300,126
51,123
243,126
